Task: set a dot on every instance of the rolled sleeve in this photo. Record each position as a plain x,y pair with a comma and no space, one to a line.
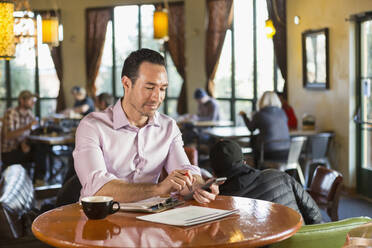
177,158
89,162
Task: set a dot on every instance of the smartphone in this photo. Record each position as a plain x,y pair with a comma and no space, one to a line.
218,181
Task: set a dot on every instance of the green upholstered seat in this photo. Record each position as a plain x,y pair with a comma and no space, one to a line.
326,235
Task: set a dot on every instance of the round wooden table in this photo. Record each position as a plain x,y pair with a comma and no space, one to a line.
257,223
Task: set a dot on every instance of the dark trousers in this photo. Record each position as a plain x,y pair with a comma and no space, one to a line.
26,160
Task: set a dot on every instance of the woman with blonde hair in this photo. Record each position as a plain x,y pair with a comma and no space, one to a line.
271,121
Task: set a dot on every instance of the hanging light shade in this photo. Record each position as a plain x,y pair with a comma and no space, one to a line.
161,24
7,46
50,27
269,29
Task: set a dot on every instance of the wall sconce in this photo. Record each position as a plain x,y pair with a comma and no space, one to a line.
7,46
161,24
269,29
50,26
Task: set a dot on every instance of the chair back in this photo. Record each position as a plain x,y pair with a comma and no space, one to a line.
326,182
295,149
70,192
192,154
317,145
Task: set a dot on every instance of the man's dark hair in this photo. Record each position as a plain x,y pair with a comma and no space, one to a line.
136,58
106,98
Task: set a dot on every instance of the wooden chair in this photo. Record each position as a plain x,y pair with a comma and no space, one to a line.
192,154
325,189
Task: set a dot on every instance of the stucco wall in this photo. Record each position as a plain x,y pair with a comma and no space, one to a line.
335,107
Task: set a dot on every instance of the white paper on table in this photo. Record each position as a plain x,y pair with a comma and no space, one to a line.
187,216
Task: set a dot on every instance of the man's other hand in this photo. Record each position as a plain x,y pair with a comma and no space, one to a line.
177,180
203,196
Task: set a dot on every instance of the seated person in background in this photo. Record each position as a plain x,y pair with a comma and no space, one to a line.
83,104
292,119
208,109
104,100
122,151
17,125
271,122
227,160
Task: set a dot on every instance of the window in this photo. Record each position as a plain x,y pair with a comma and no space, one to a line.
32,69
247,65
132,29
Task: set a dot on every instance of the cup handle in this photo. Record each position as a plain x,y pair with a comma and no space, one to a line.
112,210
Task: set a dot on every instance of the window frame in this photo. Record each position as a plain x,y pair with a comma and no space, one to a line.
163,51
8,99
233,99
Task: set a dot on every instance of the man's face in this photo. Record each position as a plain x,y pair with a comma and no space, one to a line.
28,103
148,92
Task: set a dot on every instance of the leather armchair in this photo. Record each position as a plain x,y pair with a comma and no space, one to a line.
325,189
326,235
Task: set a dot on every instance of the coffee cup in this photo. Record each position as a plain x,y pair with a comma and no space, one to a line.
98,207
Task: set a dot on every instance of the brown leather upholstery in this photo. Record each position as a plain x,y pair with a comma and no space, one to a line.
192,154
325,189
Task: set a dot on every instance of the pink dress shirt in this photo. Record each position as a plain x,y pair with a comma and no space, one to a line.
108,147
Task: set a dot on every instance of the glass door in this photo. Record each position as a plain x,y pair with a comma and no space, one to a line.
364,182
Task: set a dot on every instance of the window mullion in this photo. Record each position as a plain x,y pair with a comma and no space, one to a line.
37,84
139,28
7,84
165,102
113,55
233,100
254,55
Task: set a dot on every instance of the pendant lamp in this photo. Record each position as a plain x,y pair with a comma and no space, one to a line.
50,26
161,24
7,46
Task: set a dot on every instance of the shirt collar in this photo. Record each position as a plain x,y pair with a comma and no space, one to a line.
120,118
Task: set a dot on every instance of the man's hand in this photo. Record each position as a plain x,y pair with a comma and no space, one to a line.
203,196
33,125
25,148
177,180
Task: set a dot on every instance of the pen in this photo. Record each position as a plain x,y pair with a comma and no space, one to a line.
188,186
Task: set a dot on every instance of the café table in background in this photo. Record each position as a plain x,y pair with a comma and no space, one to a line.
229,132
206,124
56,147
257,223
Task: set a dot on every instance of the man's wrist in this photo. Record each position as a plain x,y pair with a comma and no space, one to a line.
159,189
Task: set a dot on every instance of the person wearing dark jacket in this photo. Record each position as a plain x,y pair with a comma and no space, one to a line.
227,160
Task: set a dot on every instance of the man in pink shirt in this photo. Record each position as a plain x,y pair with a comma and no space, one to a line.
122,151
